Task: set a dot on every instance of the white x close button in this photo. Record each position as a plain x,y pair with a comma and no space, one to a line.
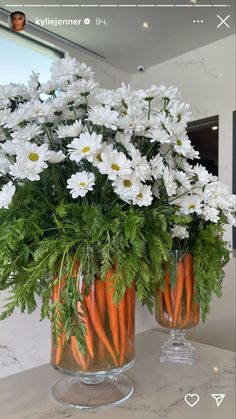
223,21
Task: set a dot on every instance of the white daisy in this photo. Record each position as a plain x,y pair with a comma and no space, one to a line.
33,85
30,161
9,147
134,121
127,187
80,183
151,92
84,71
231,218
157,166
200,174
18,172
123,93
211,214
50,86
181,113
64,69
6,194
97,158
69,131
12,91
155,189
182,179
4,163
144,196
171,92
182,144
169,182
179,232
15,118
189,204
84,147
35,109
124,139
105,97
82,88
56,156
27,133
115,164
158,135
4,116
140,165
104,116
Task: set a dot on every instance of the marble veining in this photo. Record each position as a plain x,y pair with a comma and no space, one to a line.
200,61
159,388
8,357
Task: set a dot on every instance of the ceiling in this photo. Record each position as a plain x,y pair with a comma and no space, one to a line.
123,41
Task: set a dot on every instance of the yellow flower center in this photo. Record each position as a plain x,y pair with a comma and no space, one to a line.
140,195
82,184
99,157
178,142
127,183
86,149
115,166
33,156
192,206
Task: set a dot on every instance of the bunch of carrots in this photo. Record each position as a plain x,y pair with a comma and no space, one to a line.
178,307
110,329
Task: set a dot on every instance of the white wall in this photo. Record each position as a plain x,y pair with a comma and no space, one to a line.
206,80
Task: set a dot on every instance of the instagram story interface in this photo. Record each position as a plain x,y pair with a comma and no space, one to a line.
117,206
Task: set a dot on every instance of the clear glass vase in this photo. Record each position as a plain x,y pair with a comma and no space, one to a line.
177,309
93,378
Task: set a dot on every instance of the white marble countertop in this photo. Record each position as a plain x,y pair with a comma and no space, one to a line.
159,392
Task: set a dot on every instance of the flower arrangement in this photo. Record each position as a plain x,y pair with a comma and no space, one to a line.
106,177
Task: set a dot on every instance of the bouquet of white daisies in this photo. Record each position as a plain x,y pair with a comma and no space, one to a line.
104,176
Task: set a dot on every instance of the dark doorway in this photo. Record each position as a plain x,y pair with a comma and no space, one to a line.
203,135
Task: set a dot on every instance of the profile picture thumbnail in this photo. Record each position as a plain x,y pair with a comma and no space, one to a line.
17,21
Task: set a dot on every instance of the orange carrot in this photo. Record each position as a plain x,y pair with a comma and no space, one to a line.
196,309
79,357
60,343
179,291
130,320
97,323
101,303
83,315
188,285
161,307
196,313
167,296
122,329
112,309
173,295
76,265
179,320
62,337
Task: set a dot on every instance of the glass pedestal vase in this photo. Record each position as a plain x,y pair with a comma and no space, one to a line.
93,378
177,309
93,391
177,349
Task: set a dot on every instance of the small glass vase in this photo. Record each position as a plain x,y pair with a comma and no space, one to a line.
177,309
93,379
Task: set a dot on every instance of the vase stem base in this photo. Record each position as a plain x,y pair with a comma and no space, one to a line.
109,391
176,349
